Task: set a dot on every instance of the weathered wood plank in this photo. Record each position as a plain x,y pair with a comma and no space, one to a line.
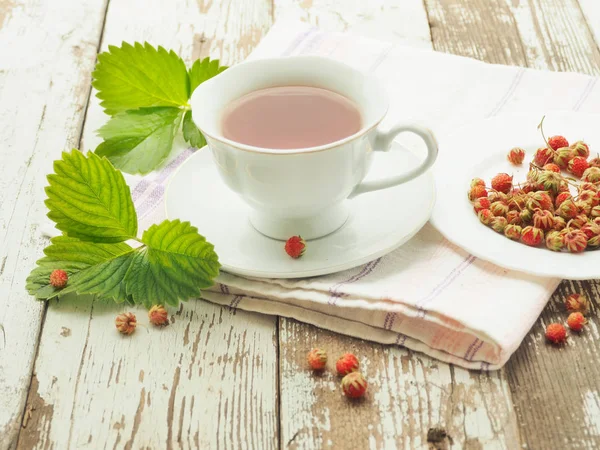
47,55
591,12
555,391
410,392
209,380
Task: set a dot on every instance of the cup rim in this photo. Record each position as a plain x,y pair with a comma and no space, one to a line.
253,149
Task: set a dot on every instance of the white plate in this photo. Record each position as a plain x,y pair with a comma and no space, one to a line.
479,150
379,221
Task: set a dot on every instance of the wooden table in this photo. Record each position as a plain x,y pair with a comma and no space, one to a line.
226,379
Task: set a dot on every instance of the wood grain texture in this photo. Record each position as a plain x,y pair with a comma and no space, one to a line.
48,52
208,380
408,394
555,391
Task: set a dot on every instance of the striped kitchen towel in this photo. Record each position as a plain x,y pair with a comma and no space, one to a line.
428,295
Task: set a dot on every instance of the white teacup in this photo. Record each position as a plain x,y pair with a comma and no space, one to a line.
301,191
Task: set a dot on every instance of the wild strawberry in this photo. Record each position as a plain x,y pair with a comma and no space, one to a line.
578,221
575,241
481,203
595,212
543,219
578,303
594,162
567,209
556,142
591,229
543,156
564,186
587,186
317,359
517,202
532,236
59,278
477,182
578,165
485,216
554,241
346,364
561,198
539,200
354,385
499,224
477,192
495,196
502,183
559,223
576,321
580,148
126,323
596,220
158,316
526,216
513,232
513,218
591,175
550,180
516,156
556,333
552,167
295,247
586,196
562,157
499,208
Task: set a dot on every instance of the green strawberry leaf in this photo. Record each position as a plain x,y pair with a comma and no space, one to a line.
191,133
175,264
139,140
136,76
202,70
88,199
73,256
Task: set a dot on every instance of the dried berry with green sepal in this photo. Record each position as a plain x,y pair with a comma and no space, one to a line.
580,148
575,241
502,183
499,223
513,232
516,156
485,216
543,219
578,303
554,241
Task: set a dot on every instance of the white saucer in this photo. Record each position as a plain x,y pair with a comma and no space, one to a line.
483,147
379,221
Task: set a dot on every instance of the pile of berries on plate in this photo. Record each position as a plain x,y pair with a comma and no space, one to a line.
560,211
578,306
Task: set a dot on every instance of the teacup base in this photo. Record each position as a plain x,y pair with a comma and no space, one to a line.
309,228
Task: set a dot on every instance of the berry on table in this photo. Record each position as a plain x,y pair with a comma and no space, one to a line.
346,363
354,385
295,247
556,142
556,333
158,316
578,303
317,359
577,166
126,323
59,278
532,236
502,183
516,156
576,321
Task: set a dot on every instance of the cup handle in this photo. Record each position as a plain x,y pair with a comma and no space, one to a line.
383,142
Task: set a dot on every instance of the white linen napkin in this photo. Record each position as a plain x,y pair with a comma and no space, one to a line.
428,295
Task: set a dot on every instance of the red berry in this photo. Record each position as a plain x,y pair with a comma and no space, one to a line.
543,156
552,167
577,303
539,200
578,165
575,241
562,157
556,333
354,385
346,364
317,359
561,198
485,216
295,246
567,209
532,236
591,175
59,278
516,156
481,203
126,323
477,192
513,232
158,316
502,183
477,182
556,142
594,162
554,241
543,219
576,321
580,148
